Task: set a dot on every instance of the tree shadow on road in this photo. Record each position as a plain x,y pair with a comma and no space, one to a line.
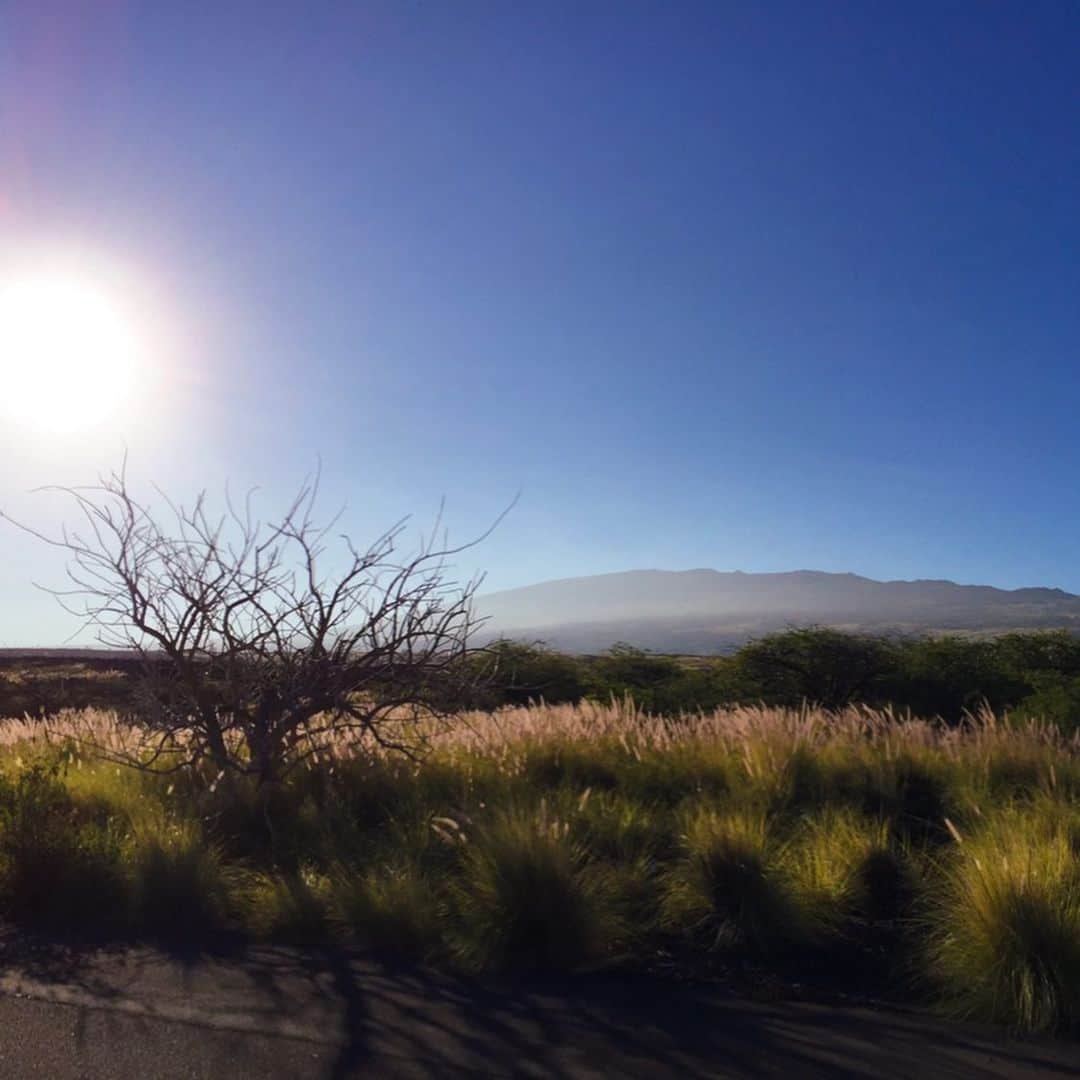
377,1019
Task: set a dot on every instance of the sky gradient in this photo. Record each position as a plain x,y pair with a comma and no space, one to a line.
754,286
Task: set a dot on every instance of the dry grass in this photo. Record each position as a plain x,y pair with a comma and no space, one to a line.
766,734
554,836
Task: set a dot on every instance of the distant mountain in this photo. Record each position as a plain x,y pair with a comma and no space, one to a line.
707,611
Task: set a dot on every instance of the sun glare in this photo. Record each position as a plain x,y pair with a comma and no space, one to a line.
69,353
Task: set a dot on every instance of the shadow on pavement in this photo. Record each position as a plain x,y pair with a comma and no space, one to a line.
371,1019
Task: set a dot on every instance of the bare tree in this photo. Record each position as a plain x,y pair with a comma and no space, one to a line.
257,646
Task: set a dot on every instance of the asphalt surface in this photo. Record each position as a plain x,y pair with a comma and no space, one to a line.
276,1012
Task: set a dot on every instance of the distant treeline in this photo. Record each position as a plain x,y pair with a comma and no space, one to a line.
1034,673
1028,673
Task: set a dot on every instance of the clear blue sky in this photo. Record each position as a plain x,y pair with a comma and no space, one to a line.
742,285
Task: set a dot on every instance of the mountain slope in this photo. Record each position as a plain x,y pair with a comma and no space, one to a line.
708,611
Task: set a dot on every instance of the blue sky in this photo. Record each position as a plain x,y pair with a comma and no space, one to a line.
758,285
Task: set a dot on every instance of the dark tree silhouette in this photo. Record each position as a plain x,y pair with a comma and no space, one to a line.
258,645
830,668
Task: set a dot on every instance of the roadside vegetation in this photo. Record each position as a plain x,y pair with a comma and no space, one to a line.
1033,674
301,743
1030,674
852,848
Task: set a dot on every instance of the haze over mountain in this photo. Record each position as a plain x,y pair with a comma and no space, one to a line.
707,611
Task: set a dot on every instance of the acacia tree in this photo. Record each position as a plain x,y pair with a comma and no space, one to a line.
831,668
257,647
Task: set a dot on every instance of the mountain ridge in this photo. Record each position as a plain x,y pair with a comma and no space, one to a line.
713,610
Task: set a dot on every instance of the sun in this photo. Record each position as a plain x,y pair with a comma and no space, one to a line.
69,353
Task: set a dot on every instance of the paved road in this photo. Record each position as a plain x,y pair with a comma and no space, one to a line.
274,1012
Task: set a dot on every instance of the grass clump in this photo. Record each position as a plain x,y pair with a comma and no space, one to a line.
913,790
291,906
390,908
577,765
1005,929
621,830
55,869
730,888
527,897
180,882
850,866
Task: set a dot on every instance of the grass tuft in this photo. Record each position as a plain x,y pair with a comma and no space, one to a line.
54,869
848,866
529,898
181,885
389,908
730,887
291,906
1005,930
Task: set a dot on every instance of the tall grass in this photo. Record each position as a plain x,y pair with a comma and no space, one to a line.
731,889
391,908
55,868
529,897
555,837
849,864
1005,929
180,882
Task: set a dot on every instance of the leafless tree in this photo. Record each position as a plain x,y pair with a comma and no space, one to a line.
258,647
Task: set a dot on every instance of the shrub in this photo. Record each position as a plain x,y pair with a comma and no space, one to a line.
1055,699
829,668
949,676
514,673
651,681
